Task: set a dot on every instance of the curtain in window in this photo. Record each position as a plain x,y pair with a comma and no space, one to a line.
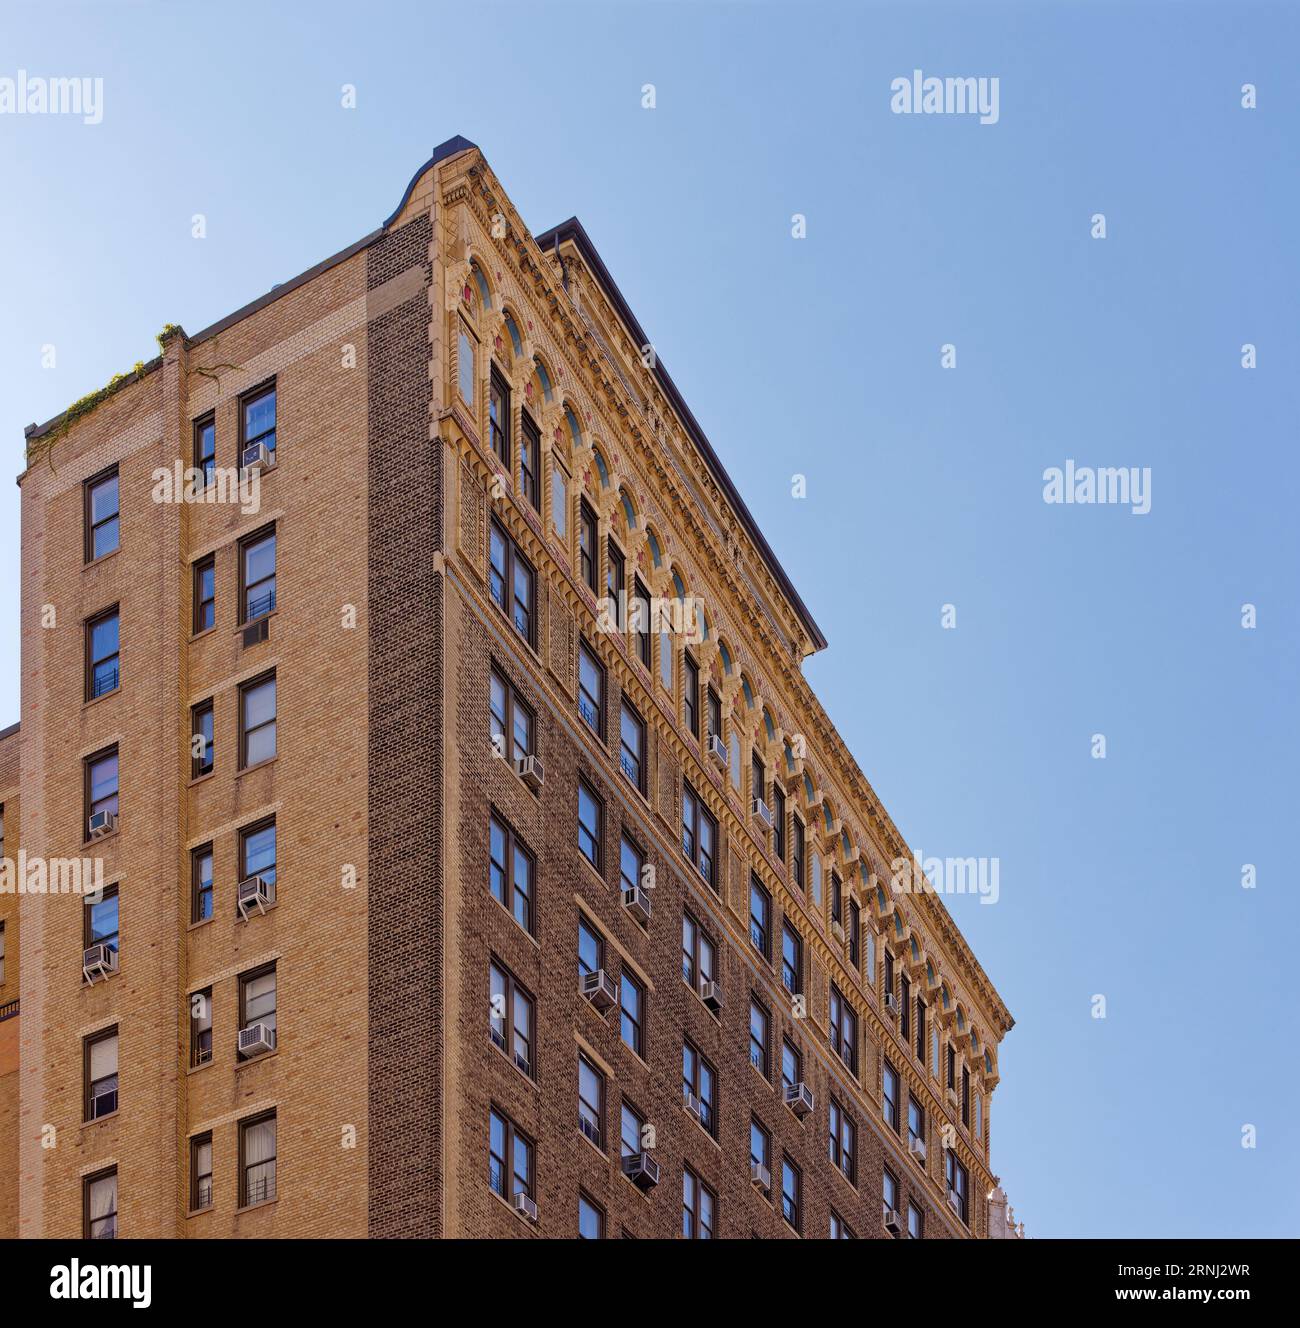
259,1161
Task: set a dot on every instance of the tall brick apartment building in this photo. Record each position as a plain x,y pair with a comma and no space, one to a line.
445,891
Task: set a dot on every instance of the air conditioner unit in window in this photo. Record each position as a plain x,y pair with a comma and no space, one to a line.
598,989
693,1105
759,1175
916,1147
523,1204
256,1040
711,995
101,824
98,961
256,457
255,893
799,1098
637,902
642,1170
257,632
891,1002
718,751
531,771
893,1223
763,812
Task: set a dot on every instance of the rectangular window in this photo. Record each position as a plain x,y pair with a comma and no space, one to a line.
888,1193
103,661
957,1182
791,959
791,1194
202,754
591,690
915,1222
591,1102
511,1017
201,884
510,1157
465,368
700,1082
205,594
2,927
499,417
760,1148
889,973
200,1027
200,1172
854,929
591,1219
631,864
905,1009
590,816
102,515
591,948
257,576
257,423
691,694
257,852
513,582
641,621
100,1075
791,1064
797,852
840,1230
99,1206
698,954
511,874
837,899
889,1106
915,1121
760,918
778,822
699,835
698,1206
713,713
205,448
587,555
843,1141
632,1126
952,1067
666,661
631,996
844,1030
616,585
257,721
920,1030
100,919
510,720
560,501
257,1160
257,998
631,750
757,778
760,1037
530,466
965,1097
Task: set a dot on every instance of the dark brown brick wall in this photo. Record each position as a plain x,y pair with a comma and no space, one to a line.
547,966
405,797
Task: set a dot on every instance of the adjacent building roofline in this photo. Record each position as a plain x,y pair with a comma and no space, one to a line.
9,732
574,230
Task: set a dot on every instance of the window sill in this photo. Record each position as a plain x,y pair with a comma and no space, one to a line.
202,922
103,696
198,636
99,1120
591,1143
592,868
703,1129
108,977
194,1069
103,557
90,843
252,1208
201,779
510,1061
242,627
261,765
241,920
207,1208
512,1210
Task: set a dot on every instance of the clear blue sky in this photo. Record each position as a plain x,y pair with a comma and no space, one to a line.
1118,877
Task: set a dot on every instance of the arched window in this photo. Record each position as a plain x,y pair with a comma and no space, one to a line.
725,655
789,758
656,555
516,341
769,726
480,283
601,468
749,692
629,512
542,381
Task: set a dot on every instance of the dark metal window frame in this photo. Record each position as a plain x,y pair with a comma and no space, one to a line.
251,398
760,925
843,1029
246,545
510,1133
764,1065
530,461
87,1183
205,764
88,1084
246,689
694,852
245,1200
199,1199
87,765
637,778
499,416
92,691
597,702
208,564
512,842
515,991
90,526
515,704
588,546
197,888
205,460
691,694
508,601
595,859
